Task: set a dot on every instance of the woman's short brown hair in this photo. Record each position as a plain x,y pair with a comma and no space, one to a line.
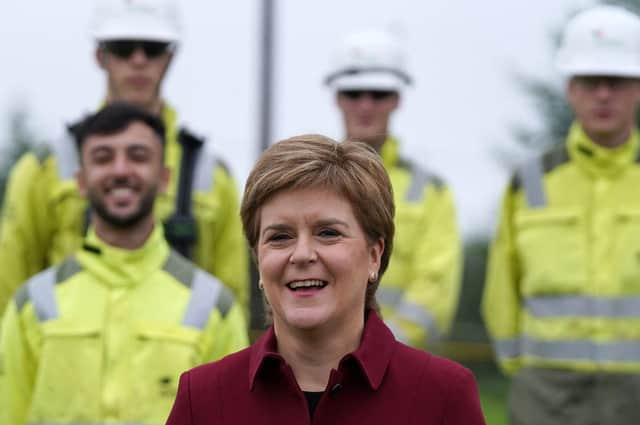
352,169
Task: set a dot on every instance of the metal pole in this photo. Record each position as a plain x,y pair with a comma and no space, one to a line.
266,74
265,78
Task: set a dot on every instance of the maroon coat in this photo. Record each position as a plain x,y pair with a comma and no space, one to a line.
382,382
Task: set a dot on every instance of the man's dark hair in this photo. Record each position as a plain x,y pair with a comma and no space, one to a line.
112,119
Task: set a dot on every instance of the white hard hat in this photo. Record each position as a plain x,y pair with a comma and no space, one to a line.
155,20
368,60
603,40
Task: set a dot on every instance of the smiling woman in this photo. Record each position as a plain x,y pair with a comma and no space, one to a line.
318,216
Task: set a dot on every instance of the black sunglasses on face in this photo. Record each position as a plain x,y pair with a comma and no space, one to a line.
125,48
373,94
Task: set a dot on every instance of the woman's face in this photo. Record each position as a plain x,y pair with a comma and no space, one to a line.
314,260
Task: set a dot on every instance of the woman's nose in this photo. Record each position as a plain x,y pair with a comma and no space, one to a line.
303,252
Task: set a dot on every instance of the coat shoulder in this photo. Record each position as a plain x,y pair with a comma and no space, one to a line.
448,388
440,373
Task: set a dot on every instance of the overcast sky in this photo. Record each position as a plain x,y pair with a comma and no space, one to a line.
462,54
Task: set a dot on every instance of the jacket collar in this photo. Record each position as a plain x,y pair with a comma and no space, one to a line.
372,356
116,266
598,160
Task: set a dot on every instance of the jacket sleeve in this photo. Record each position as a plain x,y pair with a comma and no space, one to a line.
223,252
431,296
24,226
501,297
226,332
19,366
181,410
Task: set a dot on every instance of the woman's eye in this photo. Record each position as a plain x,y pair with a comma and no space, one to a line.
329,233
278,237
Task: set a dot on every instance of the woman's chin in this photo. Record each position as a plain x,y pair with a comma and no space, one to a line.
307,318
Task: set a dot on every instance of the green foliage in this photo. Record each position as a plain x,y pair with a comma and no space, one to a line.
20,139
494,389
633,5
552,110
468,325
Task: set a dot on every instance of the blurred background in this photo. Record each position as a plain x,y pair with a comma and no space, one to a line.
485,96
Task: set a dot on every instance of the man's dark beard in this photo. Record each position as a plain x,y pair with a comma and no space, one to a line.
145,209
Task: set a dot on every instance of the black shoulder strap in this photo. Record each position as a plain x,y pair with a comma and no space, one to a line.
180,228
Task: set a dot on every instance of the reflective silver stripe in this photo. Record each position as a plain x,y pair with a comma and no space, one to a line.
203,174
532,177
66,156
507,348
583,306
41,290
394,298
86,423
421,316
389,296
599,352
419,179
397,332
205,291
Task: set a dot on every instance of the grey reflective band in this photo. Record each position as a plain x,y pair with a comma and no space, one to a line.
396,331
41,290
204,171
617,307
507,348
225,301
180,268
66,157
394,298
67,269
206,291
531,175
389,295
86,423
598,352
419,179
419,315
373,69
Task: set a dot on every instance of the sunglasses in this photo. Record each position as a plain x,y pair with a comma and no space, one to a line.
373,94
125,48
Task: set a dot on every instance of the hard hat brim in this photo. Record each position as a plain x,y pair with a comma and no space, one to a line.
368,81
600,69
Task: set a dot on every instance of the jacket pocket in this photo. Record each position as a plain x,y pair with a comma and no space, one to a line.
551,246
162,353
626,251
68,382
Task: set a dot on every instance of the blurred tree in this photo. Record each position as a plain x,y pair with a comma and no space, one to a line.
20,139
468,340
633,5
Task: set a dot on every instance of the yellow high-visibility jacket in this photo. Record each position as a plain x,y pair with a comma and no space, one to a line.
563,281
418,293
44,215
104,336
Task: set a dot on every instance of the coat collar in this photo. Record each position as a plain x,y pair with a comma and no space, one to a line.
598,160
122,267
372,356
